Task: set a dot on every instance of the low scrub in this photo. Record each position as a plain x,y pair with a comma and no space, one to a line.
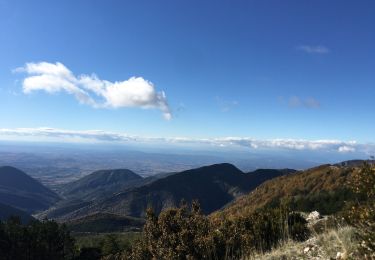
185,233
338,243
362,213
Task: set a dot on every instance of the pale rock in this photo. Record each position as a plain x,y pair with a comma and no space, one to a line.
313,216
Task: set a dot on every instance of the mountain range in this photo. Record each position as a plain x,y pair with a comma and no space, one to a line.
213,186
117,199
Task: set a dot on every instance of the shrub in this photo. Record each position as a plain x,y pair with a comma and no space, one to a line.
185,233
362,213
297,226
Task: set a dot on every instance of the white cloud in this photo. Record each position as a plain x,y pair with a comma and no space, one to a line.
346,149
290,144
89,135
90,90
250,143
318,49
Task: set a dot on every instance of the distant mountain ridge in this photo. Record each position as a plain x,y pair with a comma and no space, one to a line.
99,184
19,190
213,186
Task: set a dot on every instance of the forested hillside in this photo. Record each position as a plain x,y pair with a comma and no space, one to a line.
213,186
324,188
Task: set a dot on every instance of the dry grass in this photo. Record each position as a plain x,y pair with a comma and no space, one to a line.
323,246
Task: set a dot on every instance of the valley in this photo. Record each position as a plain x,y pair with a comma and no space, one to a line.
56,164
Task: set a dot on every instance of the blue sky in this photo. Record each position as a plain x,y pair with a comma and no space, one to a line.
256,69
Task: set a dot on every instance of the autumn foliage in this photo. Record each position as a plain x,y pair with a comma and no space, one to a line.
361,214
185,233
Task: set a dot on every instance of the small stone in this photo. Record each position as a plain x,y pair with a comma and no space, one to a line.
306,250
315,215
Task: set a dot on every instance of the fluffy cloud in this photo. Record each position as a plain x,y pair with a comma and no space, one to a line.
90,90
319,49
251,143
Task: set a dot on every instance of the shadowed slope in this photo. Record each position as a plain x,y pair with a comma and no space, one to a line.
100,184
22,191
7,211
213,186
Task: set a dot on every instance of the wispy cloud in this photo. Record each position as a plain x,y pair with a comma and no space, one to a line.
297,102
317,49
338,146
311,103
294,101
90,90
226,105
